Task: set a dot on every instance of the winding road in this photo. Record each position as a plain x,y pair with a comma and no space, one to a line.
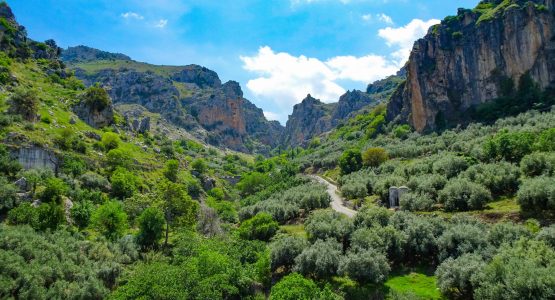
337,201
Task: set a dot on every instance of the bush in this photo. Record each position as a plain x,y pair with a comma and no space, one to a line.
252,183
119,158
508,233
124,183
454,275
350,161
8,165
284,250
56,265
416,202
500,178
463,195
81,213
537,195
294,287
386,240
537,164
260,227
546,141
372,216
547,235
25,102
320,260
199,165
450,166
510,146
374,157
110,141
522,271
427,185
8,195
96,97
151,226
368,266
171,170
55,189
460,239
110,220
327,224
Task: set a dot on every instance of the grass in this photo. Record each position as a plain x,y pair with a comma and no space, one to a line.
414,283
297,230
489,13
95,66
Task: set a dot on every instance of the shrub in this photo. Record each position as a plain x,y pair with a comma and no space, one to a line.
284,250
537,164
124,183
537,195
509,233
119,158
500,178
369,266
294,287
55,189
454,275
546,141
260,227
199,165
151,226
8,195
328,224
450,165
428,185
252,183
386,240
110,220
25,103
171,170
350,161
110,140
320,260
522,271
463,195
511,146
81,213
547,235
460,239
372,216
374,157
96,97
416,202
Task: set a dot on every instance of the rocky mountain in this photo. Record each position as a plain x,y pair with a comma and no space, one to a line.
312,117
192,97
474,58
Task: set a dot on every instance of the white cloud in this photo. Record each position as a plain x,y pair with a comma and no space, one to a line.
403,37
284,79
378,17
161,23
271,116
385,18
132,15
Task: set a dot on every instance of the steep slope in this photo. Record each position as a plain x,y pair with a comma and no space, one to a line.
192,97
311,117
475,57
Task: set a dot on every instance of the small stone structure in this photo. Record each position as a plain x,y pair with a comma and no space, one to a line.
395,194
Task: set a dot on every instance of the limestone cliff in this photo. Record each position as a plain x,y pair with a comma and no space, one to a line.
463,62
191,97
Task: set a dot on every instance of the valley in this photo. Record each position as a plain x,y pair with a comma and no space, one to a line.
122,179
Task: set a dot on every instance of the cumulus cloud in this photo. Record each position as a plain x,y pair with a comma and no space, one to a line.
403,37
285,79
132,15
271,116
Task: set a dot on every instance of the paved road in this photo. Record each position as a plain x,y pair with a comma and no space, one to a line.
337,201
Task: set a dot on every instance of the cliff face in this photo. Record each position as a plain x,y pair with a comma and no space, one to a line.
192,97
463,62
311,117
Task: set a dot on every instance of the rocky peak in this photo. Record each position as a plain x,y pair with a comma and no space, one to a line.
350,102
464,61
310,118
85,54
232,89
201,76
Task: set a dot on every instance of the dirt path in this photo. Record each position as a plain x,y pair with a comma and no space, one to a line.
337,201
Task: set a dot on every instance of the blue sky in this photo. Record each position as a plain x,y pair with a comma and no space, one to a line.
279,50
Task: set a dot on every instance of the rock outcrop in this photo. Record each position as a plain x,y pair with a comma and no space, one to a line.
310,118
97,118
191,97
36,158
463,62
84,54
